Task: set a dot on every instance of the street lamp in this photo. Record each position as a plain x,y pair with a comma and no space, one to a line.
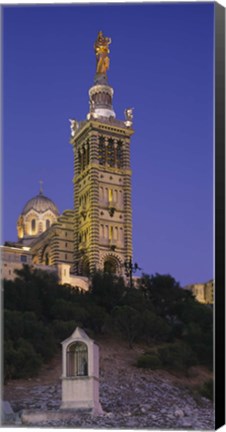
130,268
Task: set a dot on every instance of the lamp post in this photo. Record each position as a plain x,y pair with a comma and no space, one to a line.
130,268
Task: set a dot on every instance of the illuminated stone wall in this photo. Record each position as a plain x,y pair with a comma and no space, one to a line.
102,196
55,245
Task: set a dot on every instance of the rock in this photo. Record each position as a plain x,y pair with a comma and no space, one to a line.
109,414
163,411
8,415
179,413
187,422
170,416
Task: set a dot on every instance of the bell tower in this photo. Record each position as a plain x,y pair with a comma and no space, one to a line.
102,177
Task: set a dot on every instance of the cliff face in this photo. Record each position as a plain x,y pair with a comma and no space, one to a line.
130,397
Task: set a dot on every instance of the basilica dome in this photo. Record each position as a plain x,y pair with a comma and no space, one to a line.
38,214
40,203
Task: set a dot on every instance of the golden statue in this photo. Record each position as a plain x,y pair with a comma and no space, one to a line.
102,50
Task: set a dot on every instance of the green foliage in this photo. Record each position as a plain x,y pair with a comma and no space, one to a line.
40,314
20,359
96,318
107,290
177,356
25,325
128,321
62,329
149,361
68,310
155,328
207,389
134,298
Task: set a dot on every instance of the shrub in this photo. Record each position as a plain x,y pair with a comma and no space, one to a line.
207,389
155,328
177,356
96,318
63,329
149,361
20,360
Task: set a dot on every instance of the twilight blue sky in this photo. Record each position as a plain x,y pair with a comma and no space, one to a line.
162,65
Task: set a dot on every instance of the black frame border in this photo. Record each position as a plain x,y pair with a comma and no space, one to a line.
219,22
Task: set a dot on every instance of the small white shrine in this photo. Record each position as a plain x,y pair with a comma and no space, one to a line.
80,377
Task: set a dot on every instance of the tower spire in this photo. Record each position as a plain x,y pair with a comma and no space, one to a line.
101,94
41,187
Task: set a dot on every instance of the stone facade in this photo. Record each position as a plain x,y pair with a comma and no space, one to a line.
203,292
13,257
55,245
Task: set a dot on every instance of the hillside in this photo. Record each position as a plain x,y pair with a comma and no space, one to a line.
130,397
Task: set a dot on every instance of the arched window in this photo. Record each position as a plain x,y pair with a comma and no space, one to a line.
110,266
33,225
47,223
47,259
77,359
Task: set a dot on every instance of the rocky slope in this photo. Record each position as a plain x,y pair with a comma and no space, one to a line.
130,397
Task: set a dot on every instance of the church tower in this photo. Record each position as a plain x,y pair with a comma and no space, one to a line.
102,178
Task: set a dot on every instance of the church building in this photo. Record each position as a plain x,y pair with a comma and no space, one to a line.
97,233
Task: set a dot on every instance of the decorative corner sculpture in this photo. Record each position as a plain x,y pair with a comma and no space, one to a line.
128,116
74,125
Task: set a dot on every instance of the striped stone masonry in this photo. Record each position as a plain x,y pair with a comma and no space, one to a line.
76,207
94,204
101,158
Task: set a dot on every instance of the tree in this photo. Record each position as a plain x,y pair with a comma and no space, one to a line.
155,328
107,290
128,321
165,294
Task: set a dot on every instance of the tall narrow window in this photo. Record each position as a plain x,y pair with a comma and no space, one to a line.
110,195
116,233
87,154
101,151
110,153
106,232
33,225
47,223
111,233
47,259
119,155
